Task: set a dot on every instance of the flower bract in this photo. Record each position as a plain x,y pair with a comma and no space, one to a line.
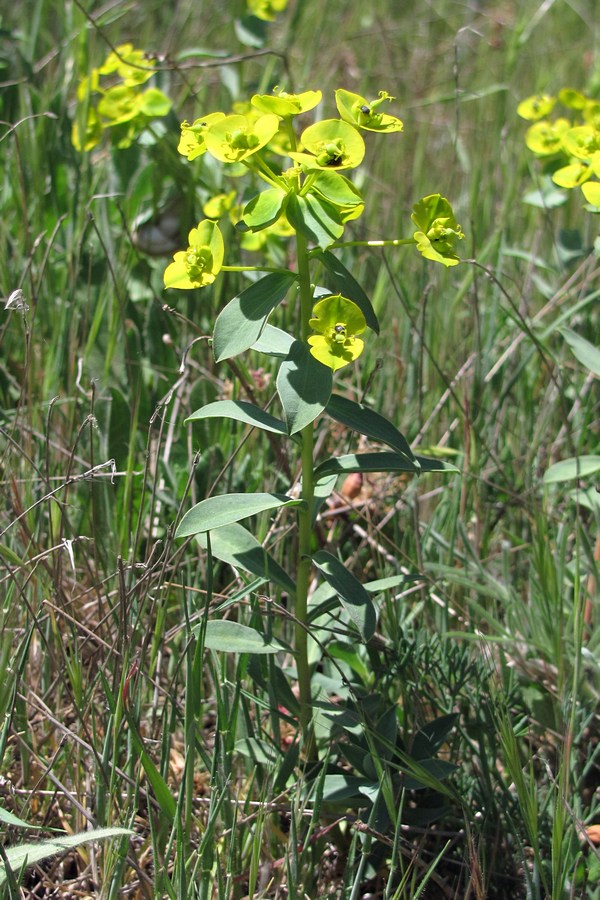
572,175
283,104
438,230
201,262
546,138
536,107
336,321
582,142
235,138
331,144
591,192
266,9
192,143
133,66
363,113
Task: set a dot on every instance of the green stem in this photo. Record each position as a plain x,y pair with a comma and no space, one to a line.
304,570
399,242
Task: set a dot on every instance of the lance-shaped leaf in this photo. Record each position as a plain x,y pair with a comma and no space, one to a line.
273,341
228,508
428,464
365,462
587,354
235,545
314,217
28,854
346,284
240,324
370,423
264,209
575,467
232,637
304,387
241,411
353,596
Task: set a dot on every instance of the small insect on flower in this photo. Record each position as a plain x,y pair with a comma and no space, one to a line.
339,333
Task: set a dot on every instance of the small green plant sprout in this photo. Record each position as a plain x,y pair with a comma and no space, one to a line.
113,98
307,197
568,144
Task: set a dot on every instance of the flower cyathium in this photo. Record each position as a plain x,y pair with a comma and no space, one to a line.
201,262
132,65
546,138
331,144
122,107
234,138
336,321
363,113
266,9
283,104
192,143
438,230
536,107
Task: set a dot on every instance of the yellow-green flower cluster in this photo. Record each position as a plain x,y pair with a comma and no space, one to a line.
201,262
336,321
313,196
266,9
569,143
112,97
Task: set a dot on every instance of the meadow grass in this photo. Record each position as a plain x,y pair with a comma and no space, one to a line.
473,713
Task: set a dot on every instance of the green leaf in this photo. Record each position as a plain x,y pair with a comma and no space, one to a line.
427,773
430,738
434,465
273,341
235,545
587,354
10,819
314,217
250,31
241,411
258,751
304,387
159,786
346,284
240,324
321,599
337,189
323,489
226,509
575,467
550,198
348,789
366,421
28,854
231,637
264,209
353,596
365,462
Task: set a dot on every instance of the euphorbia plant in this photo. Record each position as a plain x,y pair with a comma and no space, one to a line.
569,143
305,172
